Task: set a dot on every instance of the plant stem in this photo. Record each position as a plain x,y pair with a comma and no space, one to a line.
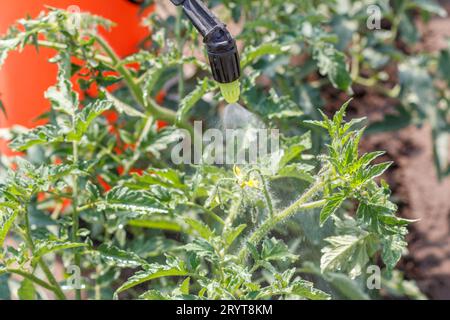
149,104
75,216
62,46
29,240
234,211
212,214
33,278
267,226
137,154
265,191
180,43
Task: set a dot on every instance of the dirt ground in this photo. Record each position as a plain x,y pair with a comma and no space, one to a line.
420,196
416,188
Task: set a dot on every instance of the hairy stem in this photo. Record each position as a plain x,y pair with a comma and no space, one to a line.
180,49
75,216
268,225
233,213
29,240
31,277
128,166
265,191
148,104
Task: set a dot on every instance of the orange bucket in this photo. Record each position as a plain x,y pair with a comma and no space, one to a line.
26,75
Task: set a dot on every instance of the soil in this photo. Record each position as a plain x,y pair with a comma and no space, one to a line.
416,187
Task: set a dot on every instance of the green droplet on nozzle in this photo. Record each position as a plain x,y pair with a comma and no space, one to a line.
231,91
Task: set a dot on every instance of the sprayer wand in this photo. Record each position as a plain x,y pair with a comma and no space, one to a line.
220,46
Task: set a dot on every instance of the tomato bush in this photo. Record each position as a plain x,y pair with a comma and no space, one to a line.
96,189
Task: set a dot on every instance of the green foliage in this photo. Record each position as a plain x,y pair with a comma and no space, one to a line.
116,201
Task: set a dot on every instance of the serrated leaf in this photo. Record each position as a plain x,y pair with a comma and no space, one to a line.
367,158
7,45
184,287
393,248
306,289
203,249
251,54
333,203
118,257
331,63
203,230
233,233
153,271
276,250
347,253
37,136
153,295
376,170
123,107
125,199
85,117
43,247
188,102
167,178
27,290
62,97
7,217
297,170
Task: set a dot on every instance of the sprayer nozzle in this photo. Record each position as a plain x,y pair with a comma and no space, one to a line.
231,91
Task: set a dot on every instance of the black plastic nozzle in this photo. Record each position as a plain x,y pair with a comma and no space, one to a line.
220,45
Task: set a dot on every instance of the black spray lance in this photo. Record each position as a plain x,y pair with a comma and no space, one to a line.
220,46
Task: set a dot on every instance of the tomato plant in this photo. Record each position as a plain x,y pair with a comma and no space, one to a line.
97,191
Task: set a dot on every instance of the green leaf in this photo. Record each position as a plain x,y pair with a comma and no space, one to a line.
26,290
123,107
167,178
38,136
184,288
367,158
43,247
393,248
376,170
203,249
233,233
276,250
346,287
306,289
430,6
7,45
444,64
5,293
297,170
62,97
125,199
156,223
153,271
85,117
7,217
203,230
188,102
153,295
347,253
118,257
251,54
333,203
331,63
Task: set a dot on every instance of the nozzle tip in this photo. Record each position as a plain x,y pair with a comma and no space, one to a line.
231,91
